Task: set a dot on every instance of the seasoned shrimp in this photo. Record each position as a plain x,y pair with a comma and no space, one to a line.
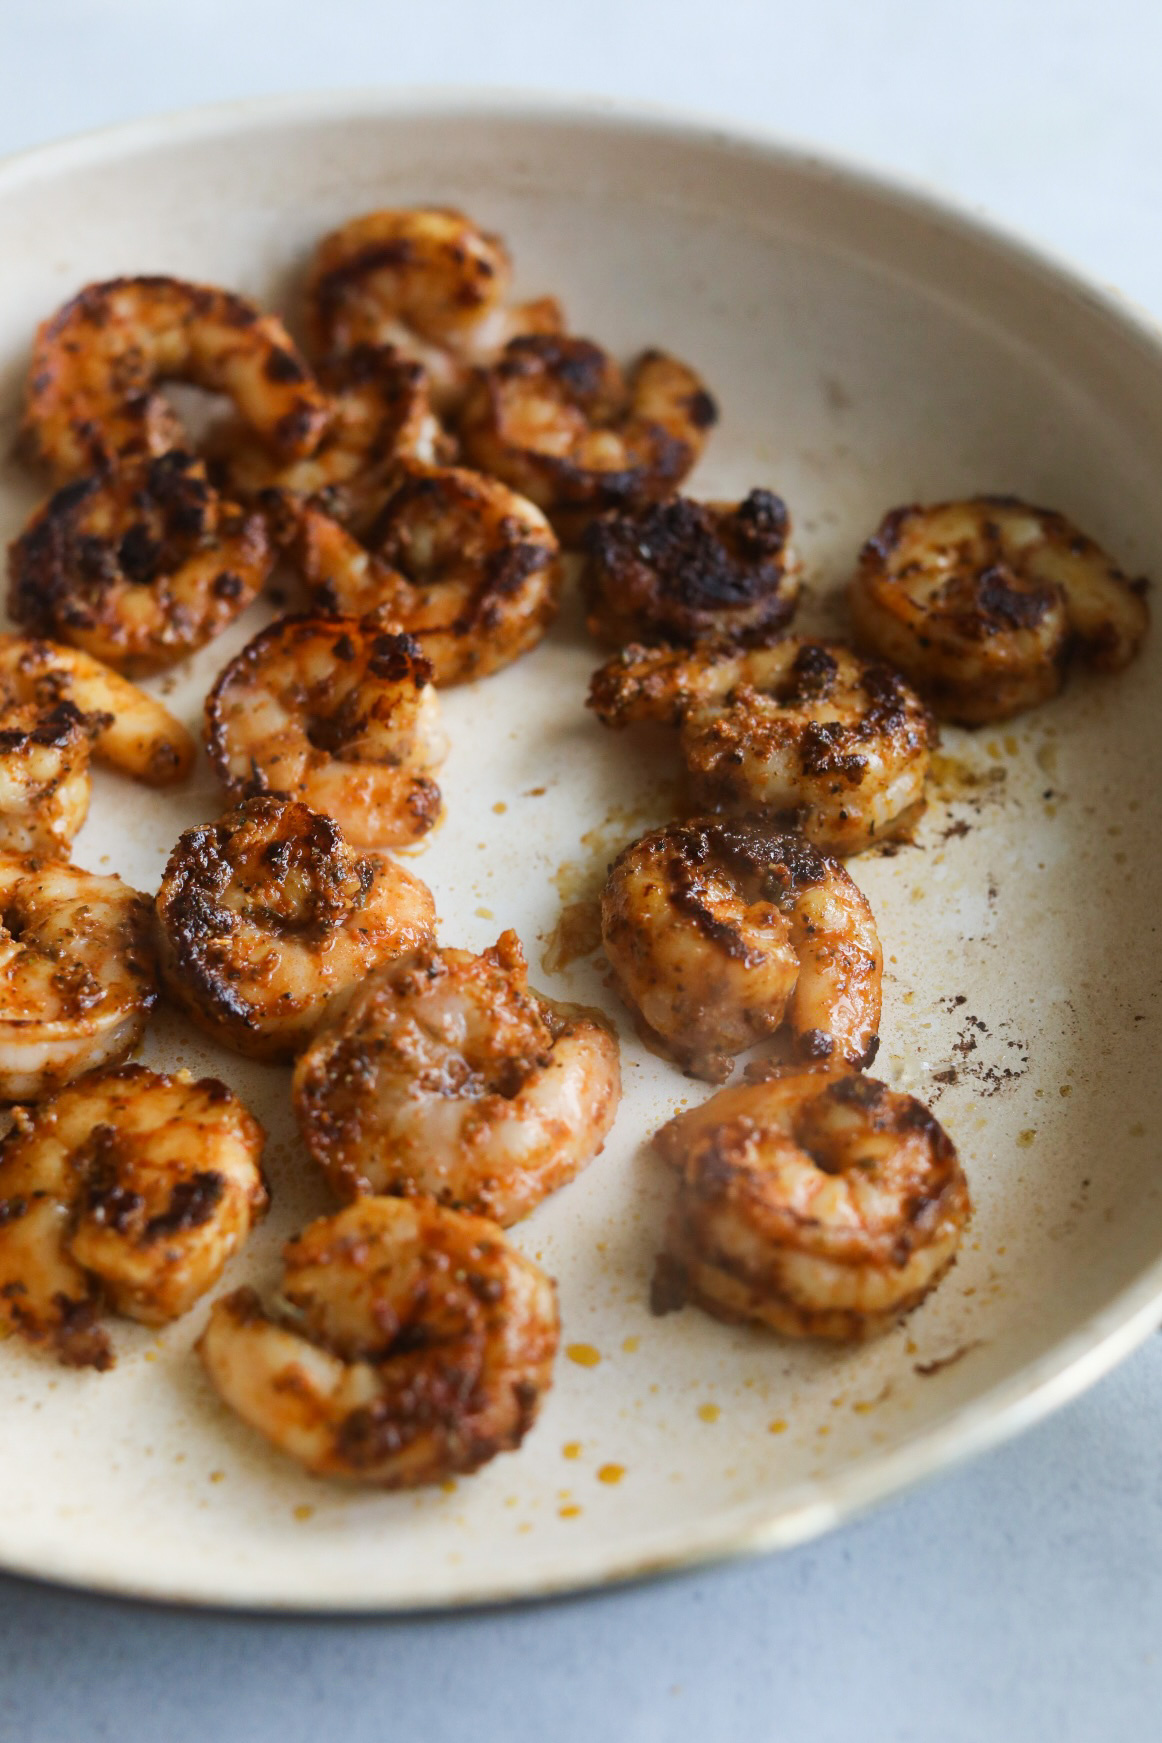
91,395
718,929
556,419
129,1190
77,978
447,1076
139,566
266,917
980,604
804,730
133,732
414,1345
380,413
425,279
337,713
44,776
460,562
821,1205
686,572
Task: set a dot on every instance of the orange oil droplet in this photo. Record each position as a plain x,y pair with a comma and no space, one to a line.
569,1512
303,1511
610,1473
778,1426
571,1449
584,1355
709,1412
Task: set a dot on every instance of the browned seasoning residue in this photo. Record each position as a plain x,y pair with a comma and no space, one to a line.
934,1367
951,779
576,934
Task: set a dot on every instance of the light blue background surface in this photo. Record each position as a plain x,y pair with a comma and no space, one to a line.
1019,1598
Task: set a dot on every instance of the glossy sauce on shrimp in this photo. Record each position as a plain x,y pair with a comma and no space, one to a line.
806,731
126,1192
719,930
413,1345
335,712
447,1075
820,1205
267,916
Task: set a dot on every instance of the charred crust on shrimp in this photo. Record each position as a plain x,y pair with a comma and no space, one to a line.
684,572
138,566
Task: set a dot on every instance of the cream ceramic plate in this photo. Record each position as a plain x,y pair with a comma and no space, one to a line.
868,348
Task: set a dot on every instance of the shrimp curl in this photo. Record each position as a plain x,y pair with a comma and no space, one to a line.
719,929
820,1205
414,1345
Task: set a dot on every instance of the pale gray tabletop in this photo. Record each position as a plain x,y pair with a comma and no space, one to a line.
1020,1597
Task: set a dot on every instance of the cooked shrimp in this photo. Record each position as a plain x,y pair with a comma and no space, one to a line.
129,1190
339,714
77,978
414,1345
718,929
266,917
688,572
980,604
803,730
380,413
134,732
91,395
447,1076
460,562
44,777
821,1205
556,419
139,566
425,279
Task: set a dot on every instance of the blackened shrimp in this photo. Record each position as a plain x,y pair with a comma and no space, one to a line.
138,566
77,978
337,713
805,731
460,562
92,390
134,732
447,1076
412,1344
56,706
128,1191
557,420
685,572
821,1205
267,916
380,413
44,777
426,279
981,603
720,929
